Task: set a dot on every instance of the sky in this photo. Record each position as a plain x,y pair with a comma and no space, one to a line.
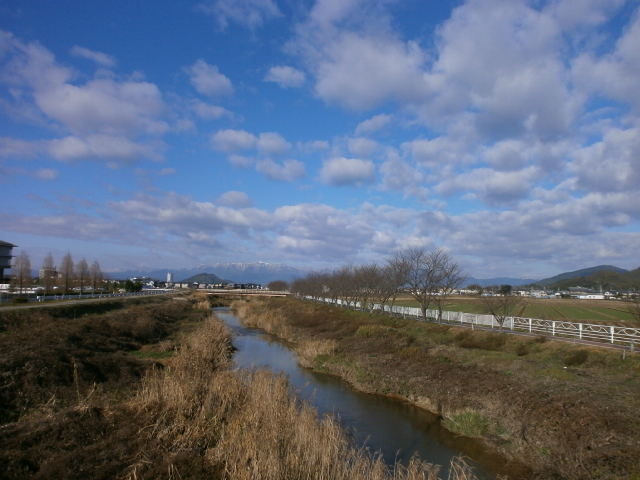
174,133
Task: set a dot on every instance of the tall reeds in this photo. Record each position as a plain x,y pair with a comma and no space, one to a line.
250,424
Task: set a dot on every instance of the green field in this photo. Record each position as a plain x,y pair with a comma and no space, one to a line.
610,312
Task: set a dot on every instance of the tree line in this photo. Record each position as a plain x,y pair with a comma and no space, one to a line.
429,277
64,276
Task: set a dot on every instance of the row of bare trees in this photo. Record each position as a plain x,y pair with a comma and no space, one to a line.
430,277
66,275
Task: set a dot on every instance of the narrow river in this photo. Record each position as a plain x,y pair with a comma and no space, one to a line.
394,428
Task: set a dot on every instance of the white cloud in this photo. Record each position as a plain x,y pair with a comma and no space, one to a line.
271,143
207,111
235,199
492,187
610,165
99,146
362,147
233,140
288,171
347,171
208,80
285,76
319,231
373,124
107,117
98,57
615,75
248,13
362,72
46,174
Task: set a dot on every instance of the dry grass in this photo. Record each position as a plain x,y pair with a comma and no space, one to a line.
556,409
249,424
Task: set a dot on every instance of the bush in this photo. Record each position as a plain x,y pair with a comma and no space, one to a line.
576,358
20,300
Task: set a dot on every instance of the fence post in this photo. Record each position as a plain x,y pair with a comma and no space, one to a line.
580,330
612,333
530,326
553,328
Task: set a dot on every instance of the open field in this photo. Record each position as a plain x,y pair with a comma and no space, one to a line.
556,410
611,312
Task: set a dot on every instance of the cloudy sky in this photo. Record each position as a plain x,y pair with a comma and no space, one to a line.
315,133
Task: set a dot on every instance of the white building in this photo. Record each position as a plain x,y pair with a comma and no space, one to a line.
169,278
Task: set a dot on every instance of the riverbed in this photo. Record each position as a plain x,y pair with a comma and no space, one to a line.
395,429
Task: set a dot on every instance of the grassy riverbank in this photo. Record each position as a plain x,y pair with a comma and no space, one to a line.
143,389
564,411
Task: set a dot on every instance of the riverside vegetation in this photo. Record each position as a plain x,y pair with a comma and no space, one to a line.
554,410
144,388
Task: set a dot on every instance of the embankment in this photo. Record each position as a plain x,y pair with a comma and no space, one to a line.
555,410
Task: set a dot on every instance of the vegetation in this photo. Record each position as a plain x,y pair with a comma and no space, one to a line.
557,410
143,388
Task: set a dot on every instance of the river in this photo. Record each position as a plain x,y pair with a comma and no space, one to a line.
396,429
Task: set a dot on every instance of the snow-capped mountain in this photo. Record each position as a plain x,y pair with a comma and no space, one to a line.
257,272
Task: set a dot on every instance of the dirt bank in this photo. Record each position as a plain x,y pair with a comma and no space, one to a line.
562,410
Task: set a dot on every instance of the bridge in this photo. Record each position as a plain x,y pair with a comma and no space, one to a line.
246,291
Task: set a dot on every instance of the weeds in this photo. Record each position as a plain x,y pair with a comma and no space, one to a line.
469,423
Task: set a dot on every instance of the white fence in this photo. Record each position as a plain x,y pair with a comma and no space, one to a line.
626,336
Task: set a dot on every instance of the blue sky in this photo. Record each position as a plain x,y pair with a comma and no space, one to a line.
315,133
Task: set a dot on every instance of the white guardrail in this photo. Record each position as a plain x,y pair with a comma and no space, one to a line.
583,331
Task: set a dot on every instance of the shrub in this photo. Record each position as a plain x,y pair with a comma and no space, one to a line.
576,358
468,423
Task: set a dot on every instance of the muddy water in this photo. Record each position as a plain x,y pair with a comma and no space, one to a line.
394,428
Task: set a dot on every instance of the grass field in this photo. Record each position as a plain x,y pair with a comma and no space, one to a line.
610,312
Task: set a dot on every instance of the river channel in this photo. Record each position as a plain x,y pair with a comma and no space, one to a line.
395,429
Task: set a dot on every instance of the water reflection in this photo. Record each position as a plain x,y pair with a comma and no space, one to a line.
397,429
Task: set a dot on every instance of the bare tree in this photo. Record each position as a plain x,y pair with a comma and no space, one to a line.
501,306
368,279
450,278
66,272
21,271
278,285
427,274
47,273
95,273
82,273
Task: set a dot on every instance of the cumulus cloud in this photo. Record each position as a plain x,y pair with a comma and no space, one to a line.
492,187
110,147
347,171
317,231
615,75
362,147
129,112
272,143
100,58
362,72
233,140
208,80
235,199
248,13
373,124
285,76
207,111
288,171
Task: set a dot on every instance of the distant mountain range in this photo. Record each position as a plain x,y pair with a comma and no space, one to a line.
258,272
602,276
